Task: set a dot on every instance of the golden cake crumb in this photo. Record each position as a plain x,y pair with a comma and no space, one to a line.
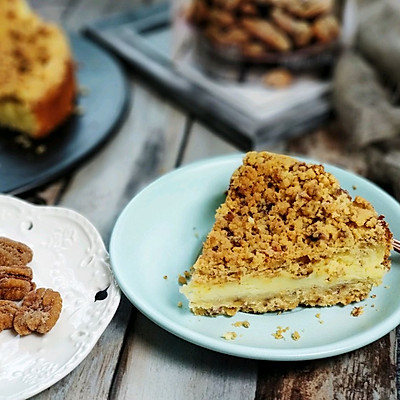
279,332
165,276
295,335
229,335
182,280
180,304
244,324
319,318
357,311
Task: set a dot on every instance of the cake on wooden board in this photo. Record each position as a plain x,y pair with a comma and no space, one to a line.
37,76
288,235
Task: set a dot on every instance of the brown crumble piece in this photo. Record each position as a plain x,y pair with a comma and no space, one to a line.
41,149
182,280
165,277
244,324
187,274
23,141
179,304
357,311
295,335
372,305
279,332
373,296
354,187
229,335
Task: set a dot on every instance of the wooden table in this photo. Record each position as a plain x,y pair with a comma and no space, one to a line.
134,358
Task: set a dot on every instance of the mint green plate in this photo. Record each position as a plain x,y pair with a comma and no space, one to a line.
160,233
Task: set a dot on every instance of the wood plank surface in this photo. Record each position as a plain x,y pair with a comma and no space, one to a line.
158,365
146,146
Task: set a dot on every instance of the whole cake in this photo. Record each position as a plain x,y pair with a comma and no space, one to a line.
287,235
37,79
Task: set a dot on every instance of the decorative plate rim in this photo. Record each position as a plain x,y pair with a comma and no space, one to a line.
99,263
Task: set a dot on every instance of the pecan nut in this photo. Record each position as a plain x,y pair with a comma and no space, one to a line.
15,282
7,312
39,312
14,253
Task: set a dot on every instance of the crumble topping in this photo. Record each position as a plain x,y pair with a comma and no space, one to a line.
284,214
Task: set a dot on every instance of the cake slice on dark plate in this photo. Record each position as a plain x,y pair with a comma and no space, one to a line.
37,72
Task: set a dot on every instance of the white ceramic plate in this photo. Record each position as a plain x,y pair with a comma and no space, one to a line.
160,233
70,257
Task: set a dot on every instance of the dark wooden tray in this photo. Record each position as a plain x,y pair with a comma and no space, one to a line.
143,39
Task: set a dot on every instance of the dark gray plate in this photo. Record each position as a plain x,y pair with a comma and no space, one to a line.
102,103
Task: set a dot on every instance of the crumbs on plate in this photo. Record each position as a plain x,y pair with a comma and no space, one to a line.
295,335
357,311
182,280
229,335
278,334
319,318
244,324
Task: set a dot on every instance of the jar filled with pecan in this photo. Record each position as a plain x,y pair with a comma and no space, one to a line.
297,34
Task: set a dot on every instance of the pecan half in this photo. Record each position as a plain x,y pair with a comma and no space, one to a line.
15,282
39,312
7,312
14,253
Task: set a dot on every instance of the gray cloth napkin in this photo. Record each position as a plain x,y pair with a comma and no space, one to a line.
365,92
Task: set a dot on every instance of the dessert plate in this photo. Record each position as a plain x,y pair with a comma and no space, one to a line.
68,256
160,233
26,164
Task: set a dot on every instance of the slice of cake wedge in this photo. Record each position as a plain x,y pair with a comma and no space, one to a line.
287,235
37,72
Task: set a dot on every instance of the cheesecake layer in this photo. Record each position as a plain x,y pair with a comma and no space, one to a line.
343,279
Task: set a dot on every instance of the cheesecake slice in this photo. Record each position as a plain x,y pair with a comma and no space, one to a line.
287,235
